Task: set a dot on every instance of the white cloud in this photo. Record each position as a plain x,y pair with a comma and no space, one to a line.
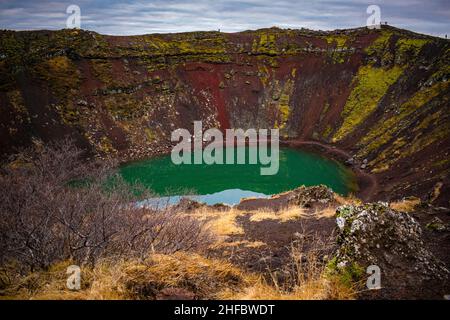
138,17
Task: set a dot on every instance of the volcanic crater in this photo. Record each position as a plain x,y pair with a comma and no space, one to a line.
376,99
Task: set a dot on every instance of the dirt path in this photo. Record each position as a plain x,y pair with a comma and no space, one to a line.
367,183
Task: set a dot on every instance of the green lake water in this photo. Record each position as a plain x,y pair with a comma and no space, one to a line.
228,183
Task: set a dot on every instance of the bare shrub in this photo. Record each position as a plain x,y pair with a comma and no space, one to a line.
54,206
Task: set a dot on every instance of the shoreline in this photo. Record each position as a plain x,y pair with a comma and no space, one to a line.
366,183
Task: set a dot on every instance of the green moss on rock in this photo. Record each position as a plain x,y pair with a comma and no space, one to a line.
382,132
370,85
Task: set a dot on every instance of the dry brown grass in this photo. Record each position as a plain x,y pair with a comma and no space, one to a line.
350,199
221,223
291,213
240,243
206,278
323,288
405,205
46,285
304,278
329,212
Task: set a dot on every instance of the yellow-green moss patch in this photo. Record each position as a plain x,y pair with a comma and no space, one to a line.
410,47
338,40
382,132
266,44
380,43
61,74
370,85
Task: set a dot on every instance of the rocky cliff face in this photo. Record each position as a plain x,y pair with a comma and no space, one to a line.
381,95
375,234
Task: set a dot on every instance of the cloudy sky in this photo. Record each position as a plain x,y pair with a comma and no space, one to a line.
162,16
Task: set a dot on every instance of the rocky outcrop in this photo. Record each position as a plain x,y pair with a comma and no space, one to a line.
307,197
374,234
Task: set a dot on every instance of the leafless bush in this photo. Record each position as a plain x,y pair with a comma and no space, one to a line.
54,206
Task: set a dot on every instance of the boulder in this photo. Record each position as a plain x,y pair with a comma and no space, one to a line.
307,196
375,234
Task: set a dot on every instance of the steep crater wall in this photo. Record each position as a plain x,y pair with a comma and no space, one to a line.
379,95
